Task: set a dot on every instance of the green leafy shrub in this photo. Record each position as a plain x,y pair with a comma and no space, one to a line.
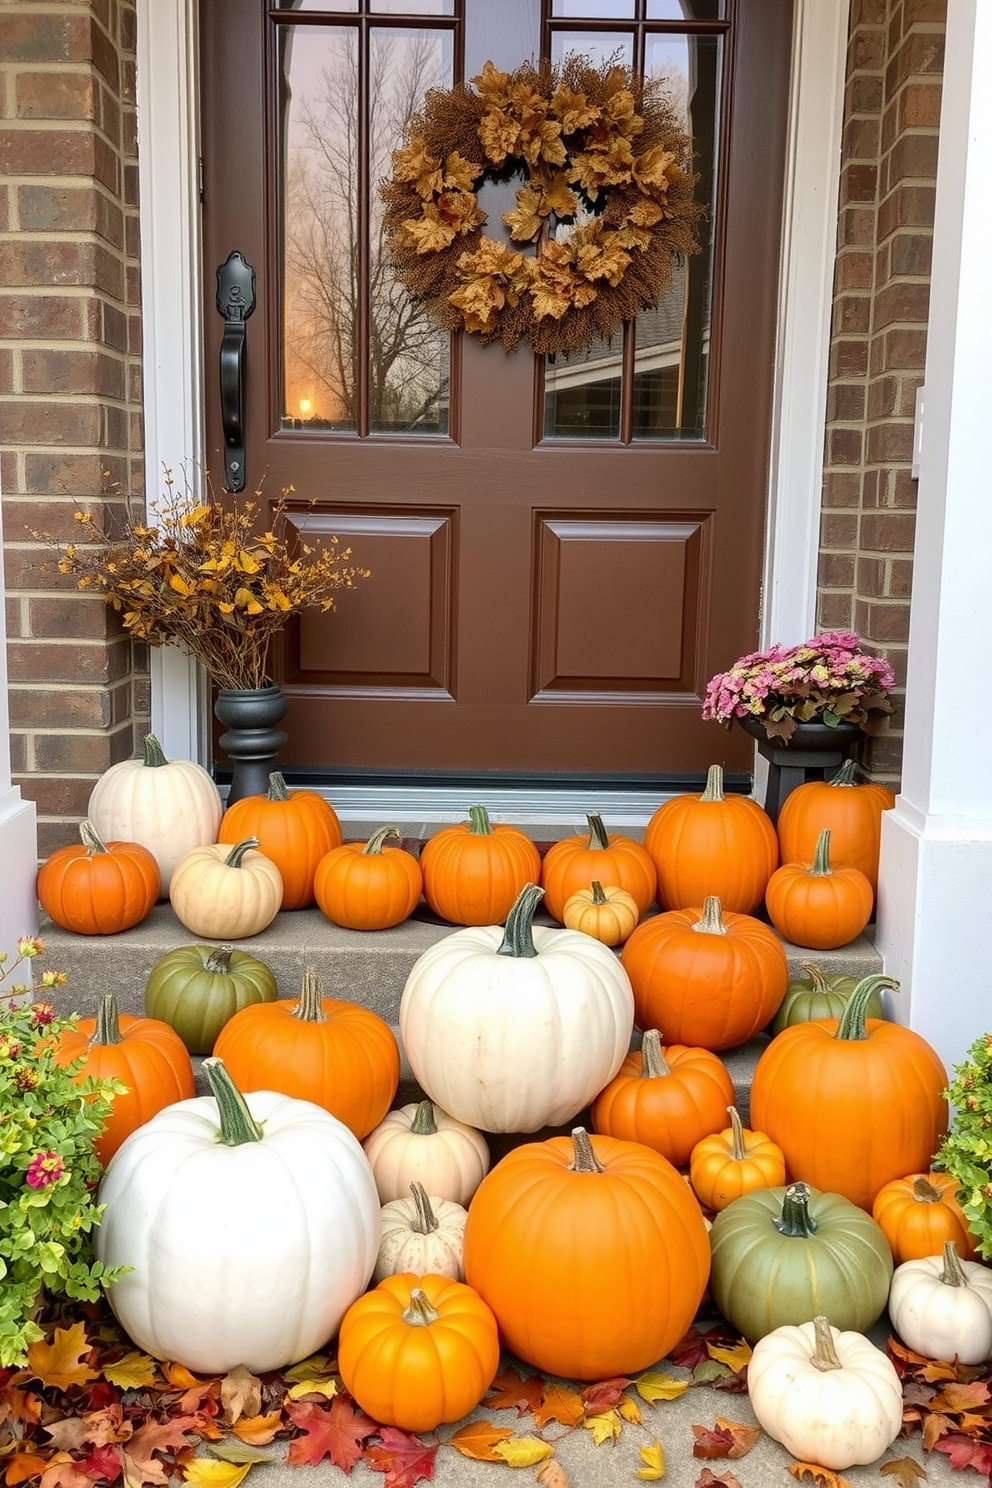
966,1151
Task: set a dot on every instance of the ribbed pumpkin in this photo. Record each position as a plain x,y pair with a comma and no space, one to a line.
732,1162
338,1055
197,988
668,1098
607,914
820,994
473,871
592,1253
852,1103
852,811
98,888
573,862
144,1053
919,1213
224,892
370,885
816,904
709,979
294,829
423,1143
712,844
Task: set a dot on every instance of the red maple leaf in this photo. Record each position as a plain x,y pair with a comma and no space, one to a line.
405,1459
965,1451
337,1431
690,1350
603,1395
103,1462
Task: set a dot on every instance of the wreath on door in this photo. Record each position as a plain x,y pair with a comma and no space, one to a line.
605,212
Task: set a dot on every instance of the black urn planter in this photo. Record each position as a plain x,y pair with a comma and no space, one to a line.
814,752
252,740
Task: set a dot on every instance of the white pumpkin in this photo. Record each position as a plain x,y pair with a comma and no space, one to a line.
251,1224
169,806
423,1143
513,1030
829,1397
226,893
423,1235
941,1306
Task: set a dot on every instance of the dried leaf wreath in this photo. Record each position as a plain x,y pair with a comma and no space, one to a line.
606,201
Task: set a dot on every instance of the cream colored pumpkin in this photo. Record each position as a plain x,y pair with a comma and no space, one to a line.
941,1306
423,1142
422,1235
829,1397
607,913
169,806
226,893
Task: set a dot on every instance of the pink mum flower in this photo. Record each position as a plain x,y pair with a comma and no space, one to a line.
45,1168
42,1013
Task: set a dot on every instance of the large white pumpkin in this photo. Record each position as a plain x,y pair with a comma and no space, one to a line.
169,806
513,1030
251,1223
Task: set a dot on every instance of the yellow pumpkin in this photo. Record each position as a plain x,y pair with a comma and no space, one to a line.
607,914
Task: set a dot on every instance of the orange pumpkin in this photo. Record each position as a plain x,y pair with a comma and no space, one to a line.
709,979
146,1055
98,888
474,872
608,915
667,1098
817,905
572,864
919,1213
592,1253
852,811
368,886
295,829
732,1162
712,844
338,1055
854,1102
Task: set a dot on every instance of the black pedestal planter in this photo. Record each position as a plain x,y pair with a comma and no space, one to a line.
252,740
814,752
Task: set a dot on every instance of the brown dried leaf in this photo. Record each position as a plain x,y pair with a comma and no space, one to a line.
240,1394
906,1472
822,1476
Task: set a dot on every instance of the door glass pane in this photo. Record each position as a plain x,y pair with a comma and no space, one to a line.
582,392
598,46
597,10
412,7
686,10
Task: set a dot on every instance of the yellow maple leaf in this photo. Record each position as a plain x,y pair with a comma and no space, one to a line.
573,109
493,85
633,237
131,1372
630,1410
525,220
734,1357
654,1386
460,174
211,1472
179,584
656,168
498,135
427,233
653,1458
460,210
604,1426
644,212
478,302
60,1363
419,167
319,1385
523,1451
557,196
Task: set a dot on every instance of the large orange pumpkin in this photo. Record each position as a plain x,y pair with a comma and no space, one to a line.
854,1102
368,886
98,888
295,829
712,844
819,905
146,1055
573,863
921,1211
708,979
474,872
852,811
592,1253
338,1055
668,1098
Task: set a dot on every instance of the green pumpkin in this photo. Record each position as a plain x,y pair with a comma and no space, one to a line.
820,994
197,988
785,1255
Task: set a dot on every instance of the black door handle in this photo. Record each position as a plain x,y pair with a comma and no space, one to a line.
235,301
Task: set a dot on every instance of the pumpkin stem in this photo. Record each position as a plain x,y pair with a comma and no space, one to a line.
420,1313
820,867
852,1023
91,838
518,932
426,1221
278,789
374,845
817,976
479,819
423,1124
585,1159
598,838
795,1221
310,1007
738,1147
652,1059
714,785
953,1272
237,853
108,1024
154,753
219,960
925,1192
847,774
711,921
237,1124
598,897
824,1355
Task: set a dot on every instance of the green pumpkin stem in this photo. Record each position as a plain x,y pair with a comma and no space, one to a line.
278,789
426,1221
924,1191
652,1059
423,1124
91,839
598,838
420,1313
219,960
852,1024
711,921
108,1024
824,1355
795,1221
235,857
237,1124
738,1147
598,897
374,845
310,1007
847,774
154,753
820,867
585,1159
518,932
953,1271
714,785
479,818
817,976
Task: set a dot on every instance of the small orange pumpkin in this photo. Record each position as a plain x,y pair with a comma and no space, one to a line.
98,888
732,1162
817,905
851,809
368,886
572,863
712,844
474,872
919,1213
667,1098
295,829
607,914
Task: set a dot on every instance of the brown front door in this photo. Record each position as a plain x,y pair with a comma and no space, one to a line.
562,551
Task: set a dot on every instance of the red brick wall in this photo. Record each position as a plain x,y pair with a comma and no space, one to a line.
881,297
70,393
